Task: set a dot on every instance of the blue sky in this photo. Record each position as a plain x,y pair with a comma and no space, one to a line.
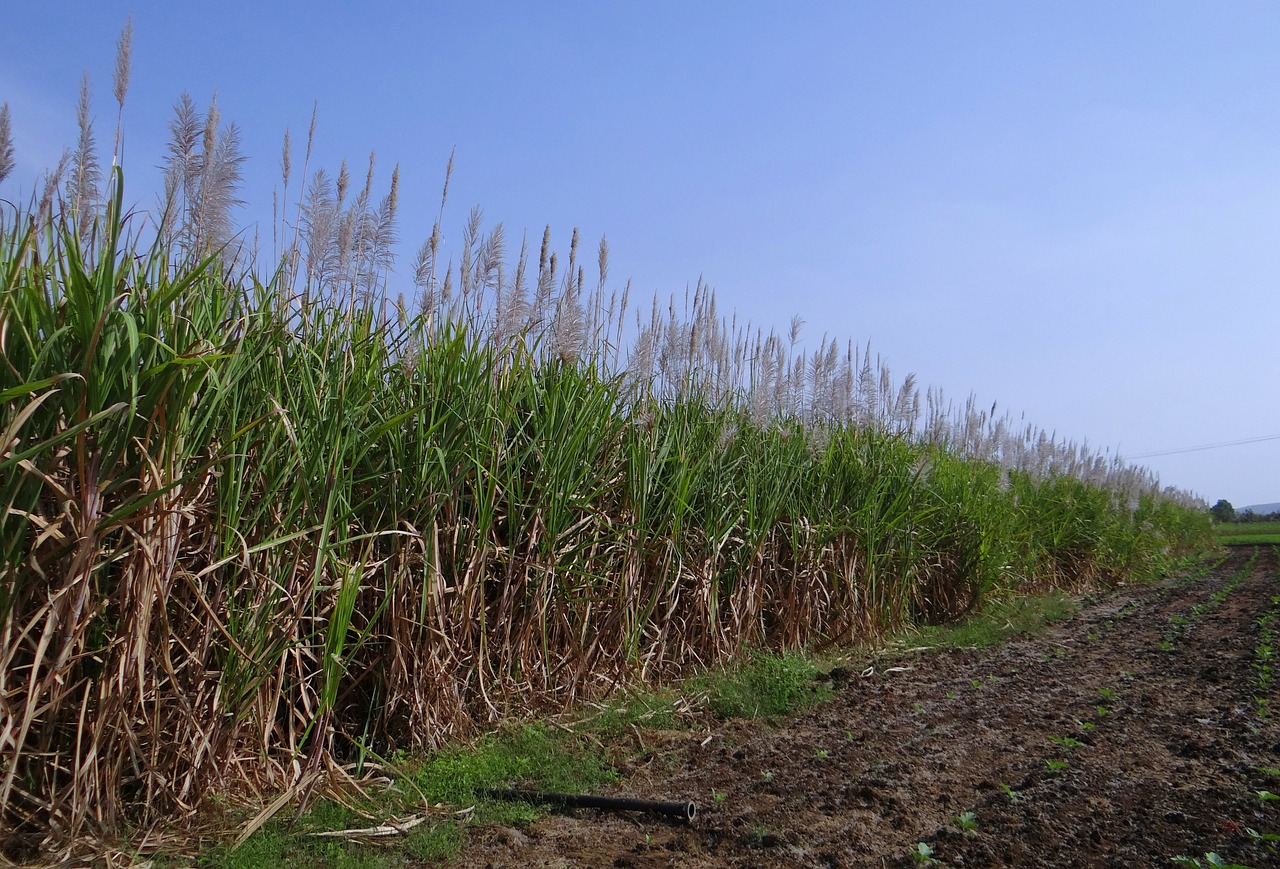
1072,208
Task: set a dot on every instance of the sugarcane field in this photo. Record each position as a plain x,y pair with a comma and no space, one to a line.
344,526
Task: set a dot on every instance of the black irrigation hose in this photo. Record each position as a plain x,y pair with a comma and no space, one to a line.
684,811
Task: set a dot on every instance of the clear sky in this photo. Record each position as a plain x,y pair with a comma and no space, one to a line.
1072,208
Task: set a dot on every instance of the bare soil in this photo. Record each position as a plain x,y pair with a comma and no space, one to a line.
1158,685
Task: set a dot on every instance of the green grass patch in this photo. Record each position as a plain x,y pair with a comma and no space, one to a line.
1249,528
762,685
998,621
286,842
658,709
533,756
283,843
1251,540
1245,533
435,843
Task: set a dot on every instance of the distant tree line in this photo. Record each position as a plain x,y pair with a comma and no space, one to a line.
1224,512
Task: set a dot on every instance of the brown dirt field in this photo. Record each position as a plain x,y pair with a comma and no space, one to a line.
1171,767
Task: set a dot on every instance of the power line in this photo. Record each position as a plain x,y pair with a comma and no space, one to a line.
1256,440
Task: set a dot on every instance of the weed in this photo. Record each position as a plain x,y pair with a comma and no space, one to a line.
764,685
922,854
1067,742
1056,765
1009,792
1267,840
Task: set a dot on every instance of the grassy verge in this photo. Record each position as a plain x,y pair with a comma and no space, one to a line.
434,800
998,621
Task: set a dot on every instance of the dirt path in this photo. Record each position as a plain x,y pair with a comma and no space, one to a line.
1124,737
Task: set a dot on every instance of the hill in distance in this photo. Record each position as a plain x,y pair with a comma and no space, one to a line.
1261,508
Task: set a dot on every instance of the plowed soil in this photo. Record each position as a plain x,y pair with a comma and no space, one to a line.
1126,736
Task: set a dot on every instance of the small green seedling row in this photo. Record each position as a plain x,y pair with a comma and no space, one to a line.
1263,654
